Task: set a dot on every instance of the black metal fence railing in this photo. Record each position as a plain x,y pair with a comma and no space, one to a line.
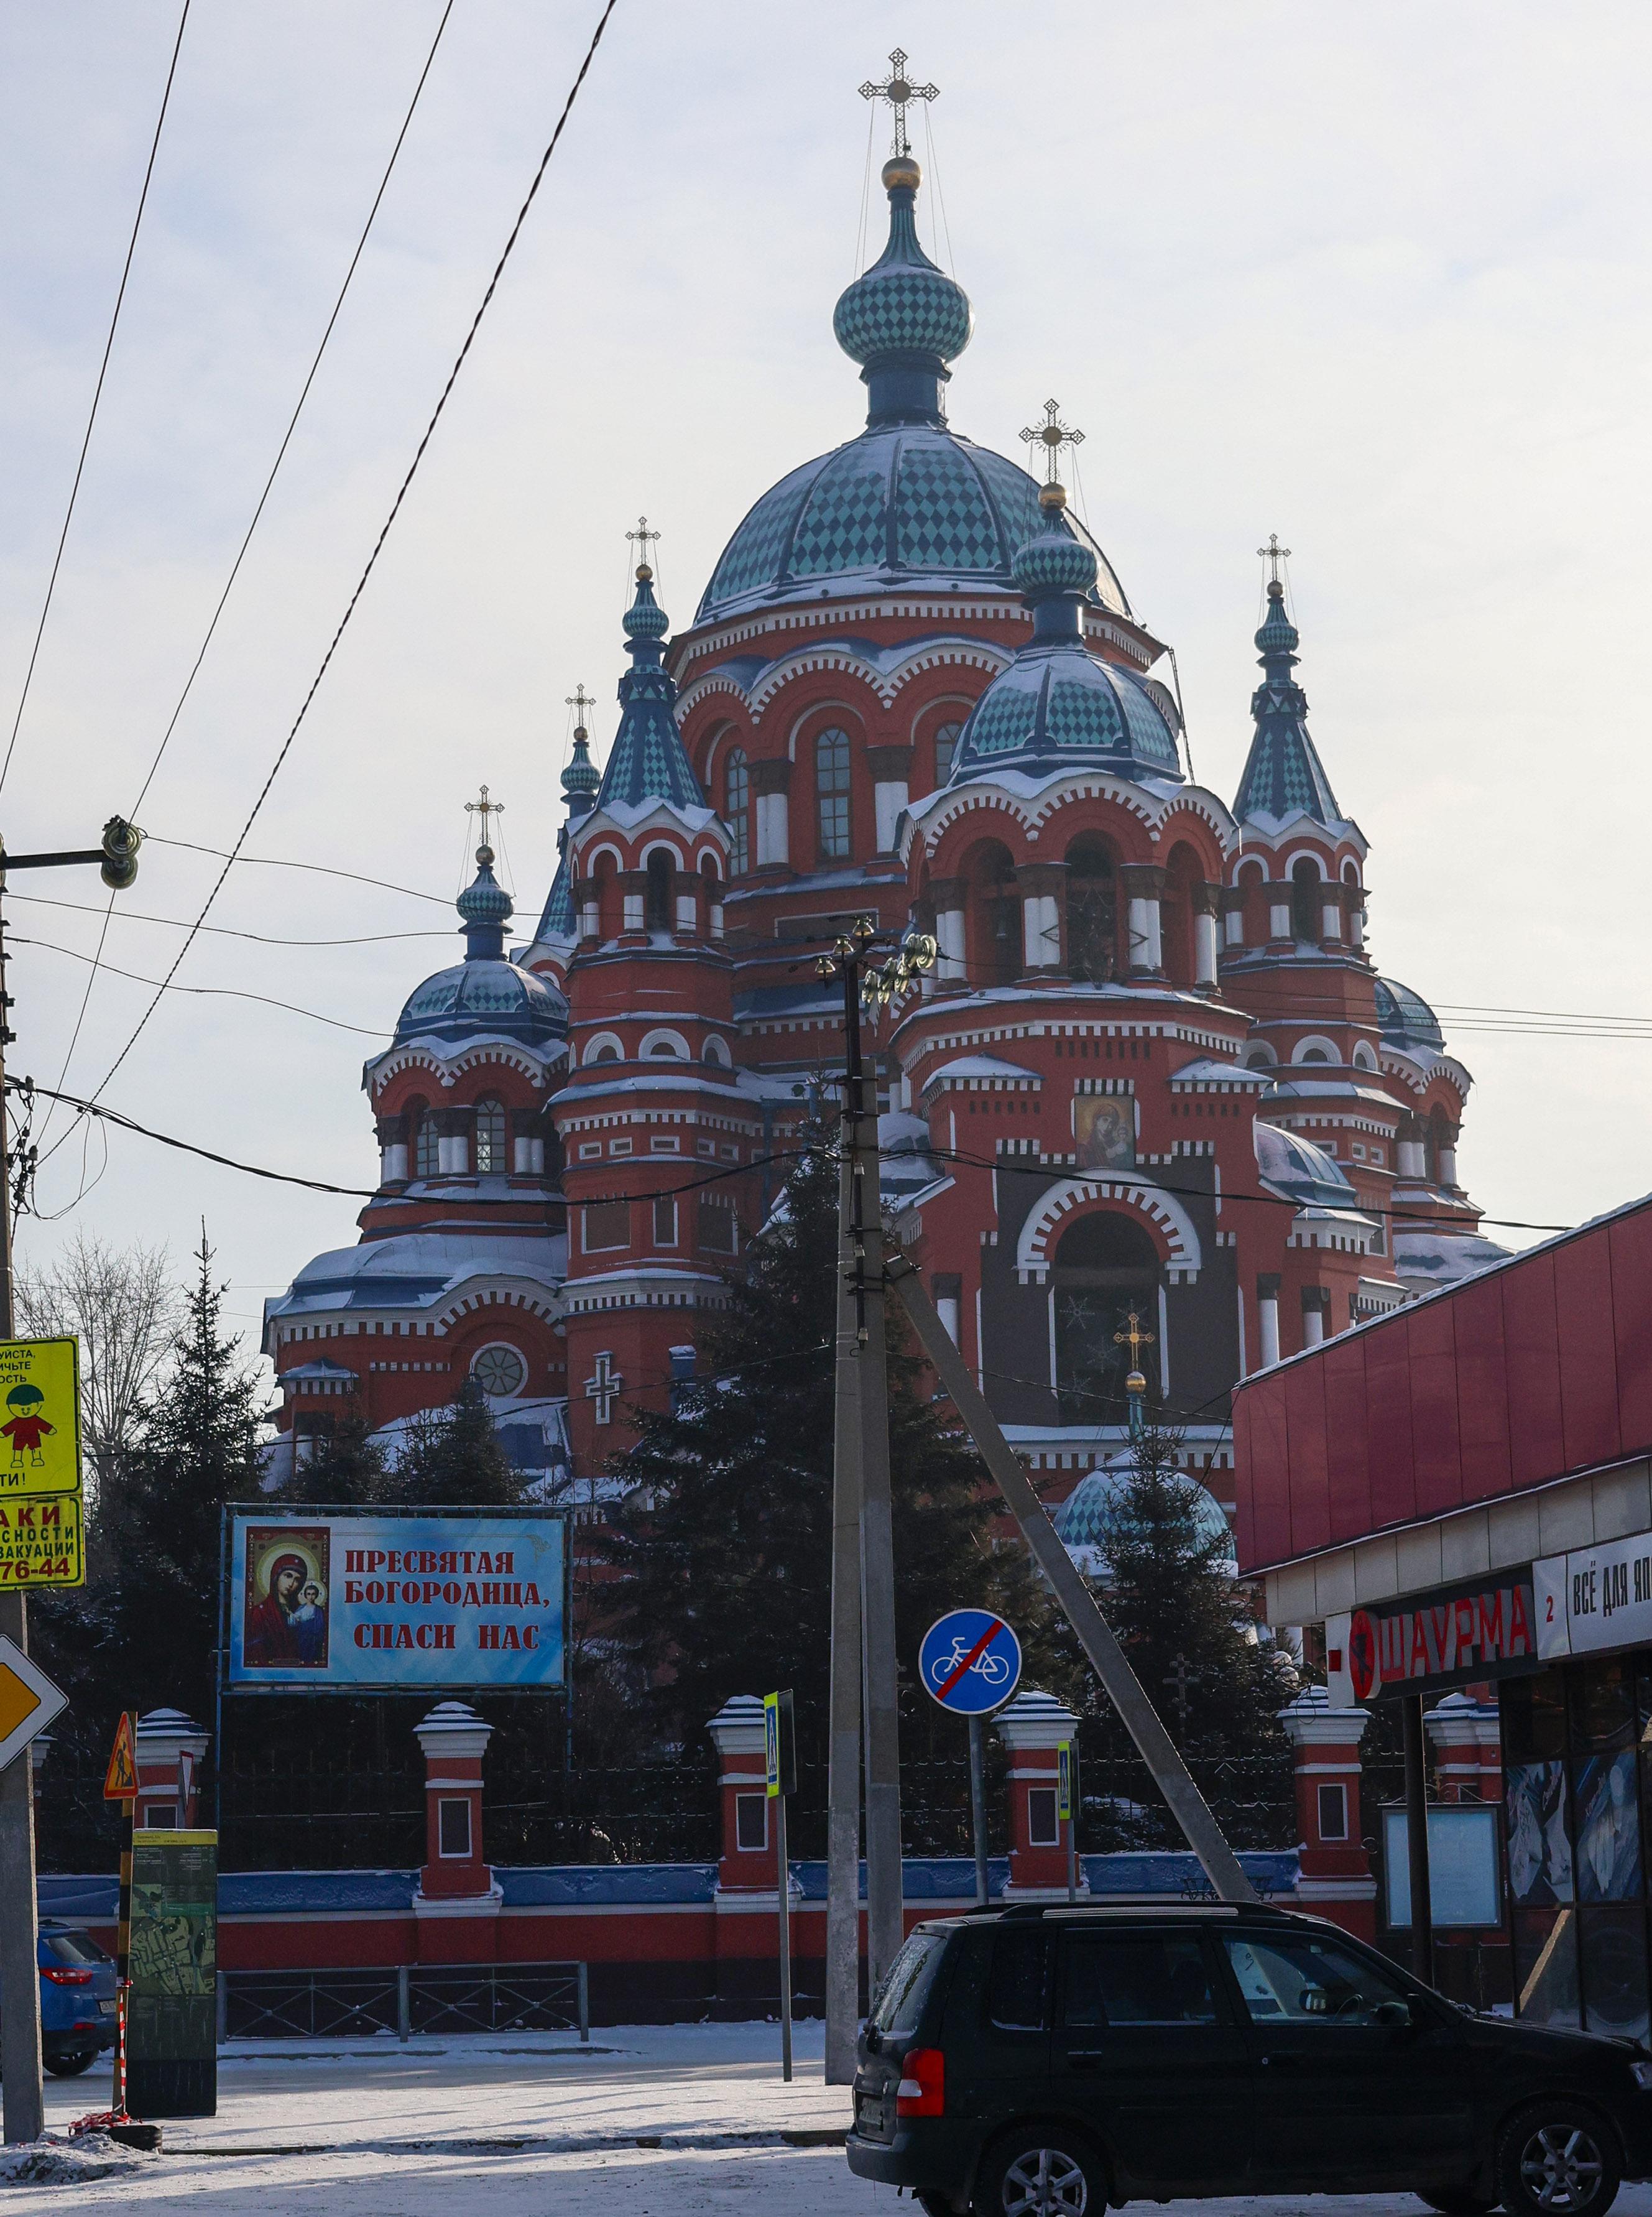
428,1999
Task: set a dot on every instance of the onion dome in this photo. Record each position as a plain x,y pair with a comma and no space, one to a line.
484,993
1405,1019
1283,775
1099,1507
647,762
486,908
581,778
904,320
910,504
1058,704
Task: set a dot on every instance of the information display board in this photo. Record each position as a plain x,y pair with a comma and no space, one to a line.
41,1524
172,1966
448,1598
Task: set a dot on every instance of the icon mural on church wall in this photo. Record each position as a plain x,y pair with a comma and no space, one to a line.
1104,1124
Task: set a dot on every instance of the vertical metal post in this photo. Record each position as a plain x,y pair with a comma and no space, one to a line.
885,1927
222,2026
1416,1838
584,1970
978,1811
782,1893
20,1976
843,1724
403,2002
123,1954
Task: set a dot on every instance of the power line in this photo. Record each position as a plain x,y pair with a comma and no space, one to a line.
97,395
223,930
277,862
379,544
235,567
215,993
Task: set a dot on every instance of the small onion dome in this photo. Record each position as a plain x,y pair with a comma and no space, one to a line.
646,618
1404,1018
1057,706
904,305
1052,561
582,774
1099,1506
1278,635
484,900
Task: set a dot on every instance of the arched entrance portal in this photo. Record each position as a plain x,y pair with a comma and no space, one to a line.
1105,1266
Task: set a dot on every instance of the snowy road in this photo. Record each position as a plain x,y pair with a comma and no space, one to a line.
531,2127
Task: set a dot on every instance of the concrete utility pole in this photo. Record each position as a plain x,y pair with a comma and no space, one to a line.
1124,1688
864,1687
20,1977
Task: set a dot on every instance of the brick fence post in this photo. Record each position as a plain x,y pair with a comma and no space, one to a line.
1034,1727
168,1752
456,1902
1335,1879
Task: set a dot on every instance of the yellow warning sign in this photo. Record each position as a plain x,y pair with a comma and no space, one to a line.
40,1417
121,1780
42,1541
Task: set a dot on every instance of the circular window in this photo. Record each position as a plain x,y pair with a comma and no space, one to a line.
500,1372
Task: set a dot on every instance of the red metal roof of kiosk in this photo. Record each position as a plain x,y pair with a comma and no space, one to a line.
1530,1371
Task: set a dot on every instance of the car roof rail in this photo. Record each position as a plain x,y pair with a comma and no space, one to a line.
1199,1905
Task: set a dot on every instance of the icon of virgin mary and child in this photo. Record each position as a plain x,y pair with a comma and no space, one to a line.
285,1626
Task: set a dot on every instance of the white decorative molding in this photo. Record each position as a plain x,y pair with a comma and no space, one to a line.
1073,1196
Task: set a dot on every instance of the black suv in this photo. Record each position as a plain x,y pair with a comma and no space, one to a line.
1046,2062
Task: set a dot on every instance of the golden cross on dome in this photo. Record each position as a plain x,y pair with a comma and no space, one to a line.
1053,436
1274,554
485,808
1135,1339
898,90
579,700
642,537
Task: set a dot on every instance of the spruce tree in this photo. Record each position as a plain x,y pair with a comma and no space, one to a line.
1181,1615
453,1455
346,1468
151,1624
722,1541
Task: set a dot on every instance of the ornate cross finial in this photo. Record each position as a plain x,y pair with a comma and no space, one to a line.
1135,1339
485,808
579,700
642,538
1054,436
898,90
1274,554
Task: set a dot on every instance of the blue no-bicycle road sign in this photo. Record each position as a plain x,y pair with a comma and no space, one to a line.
969,1661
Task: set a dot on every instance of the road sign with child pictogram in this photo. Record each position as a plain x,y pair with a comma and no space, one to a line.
40,1508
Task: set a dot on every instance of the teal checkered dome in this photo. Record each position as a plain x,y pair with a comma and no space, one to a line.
647,761
910,504
1283,775
1057,705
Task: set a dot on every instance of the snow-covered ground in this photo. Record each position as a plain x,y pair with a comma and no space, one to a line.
690,2121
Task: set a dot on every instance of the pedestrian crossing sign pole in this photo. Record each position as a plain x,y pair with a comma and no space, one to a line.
779,1780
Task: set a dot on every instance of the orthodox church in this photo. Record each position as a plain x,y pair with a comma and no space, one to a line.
1153,1083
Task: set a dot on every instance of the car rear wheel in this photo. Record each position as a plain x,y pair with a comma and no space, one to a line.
1557,2159
70,2066
1038,2173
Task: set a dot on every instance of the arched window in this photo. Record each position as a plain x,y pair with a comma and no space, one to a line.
996,953
1305,898
1253,886
947,740
490,1157
736,809
426,1154
1106,1267
656,902
1092,914
832,794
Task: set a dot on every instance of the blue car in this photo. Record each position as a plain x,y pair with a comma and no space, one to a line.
76,1998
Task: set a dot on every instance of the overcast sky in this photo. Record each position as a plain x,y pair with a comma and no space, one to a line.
1375,279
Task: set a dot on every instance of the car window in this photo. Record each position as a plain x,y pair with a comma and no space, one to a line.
73,1948
1297,1980
904,1992
1018,1988
1135,1977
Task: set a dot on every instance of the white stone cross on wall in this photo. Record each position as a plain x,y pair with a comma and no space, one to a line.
603,1386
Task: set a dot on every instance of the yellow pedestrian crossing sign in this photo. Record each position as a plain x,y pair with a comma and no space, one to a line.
40,1417
42,1541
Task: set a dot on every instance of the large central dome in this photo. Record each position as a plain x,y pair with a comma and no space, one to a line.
903,506
909,505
